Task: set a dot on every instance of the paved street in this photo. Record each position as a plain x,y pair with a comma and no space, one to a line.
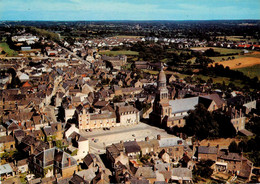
123,133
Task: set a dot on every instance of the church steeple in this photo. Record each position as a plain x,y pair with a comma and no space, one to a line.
162,90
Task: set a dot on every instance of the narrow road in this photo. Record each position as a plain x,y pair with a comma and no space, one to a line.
79,58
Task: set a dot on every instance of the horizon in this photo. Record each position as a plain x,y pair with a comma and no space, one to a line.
128,20
125,10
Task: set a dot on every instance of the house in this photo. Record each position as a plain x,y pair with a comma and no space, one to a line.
115,153
146,173
91,161
175,147
127,115
148,146
233,163
30,145
80,144
6,171
24,77
70,130
53,161
208,152
22,166
104,119
181,175
131,148
7,143
88,174
77,179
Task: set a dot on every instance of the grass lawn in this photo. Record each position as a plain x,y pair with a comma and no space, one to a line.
219,58
251,71
152,72
226,51
120,52
6,48
238,38
219,49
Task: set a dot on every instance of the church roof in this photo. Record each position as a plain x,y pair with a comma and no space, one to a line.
183,105
162,76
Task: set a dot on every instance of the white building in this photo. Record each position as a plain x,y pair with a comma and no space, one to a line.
127,115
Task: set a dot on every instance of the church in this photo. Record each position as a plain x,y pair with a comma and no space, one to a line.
162,111
170,113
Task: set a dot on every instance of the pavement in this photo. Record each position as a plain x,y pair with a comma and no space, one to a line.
99,138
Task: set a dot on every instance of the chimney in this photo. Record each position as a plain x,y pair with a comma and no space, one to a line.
147,139
208,144
69,161
158,137
50,144
31,152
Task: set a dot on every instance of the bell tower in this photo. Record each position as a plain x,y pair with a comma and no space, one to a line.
161,107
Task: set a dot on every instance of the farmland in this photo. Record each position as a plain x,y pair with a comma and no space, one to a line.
251,71
218,49
120,52
9,52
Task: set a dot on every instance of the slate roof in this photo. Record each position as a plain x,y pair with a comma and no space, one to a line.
230,156
139,181
216,98
104,115
89,158
123,109
169,142
54,154
145,172
77,179
246,132
131,147
182,172
6,168
183,105
89,174
207,150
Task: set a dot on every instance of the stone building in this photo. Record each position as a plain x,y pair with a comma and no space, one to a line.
53,161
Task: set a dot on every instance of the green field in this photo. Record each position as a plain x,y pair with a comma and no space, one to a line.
218,49
6,48
120,52
227,51
219,58
238,38
203,77
252,71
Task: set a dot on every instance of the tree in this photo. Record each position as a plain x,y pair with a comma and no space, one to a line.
200,123
61,114
203,168
117,98
233,147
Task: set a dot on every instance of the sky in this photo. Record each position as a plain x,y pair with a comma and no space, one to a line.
129,9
